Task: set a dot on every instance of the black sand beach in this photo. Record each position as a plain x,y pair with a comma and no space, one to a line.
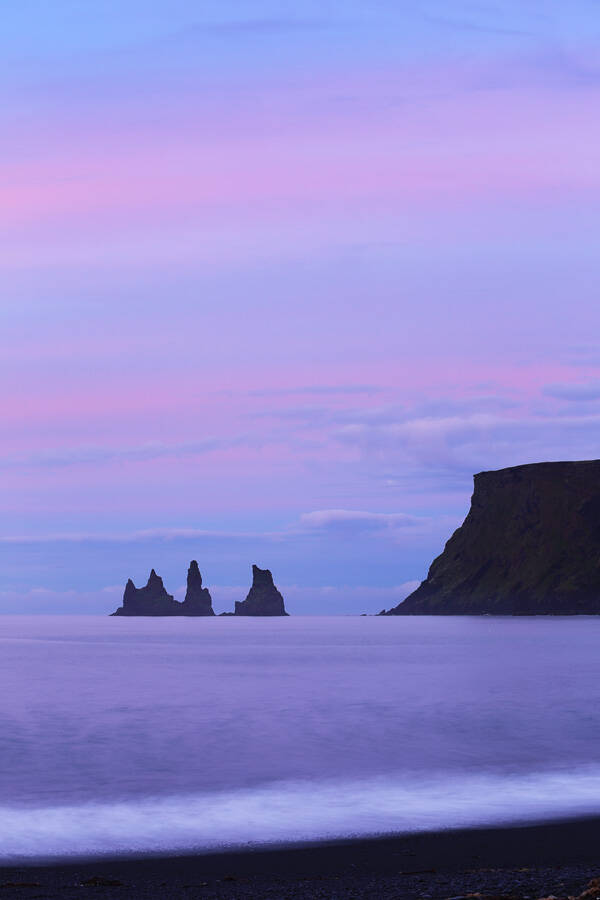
556,859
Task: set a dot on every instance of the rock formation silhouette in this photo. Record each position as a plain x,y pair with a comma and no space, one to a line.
263,598
530,545
153,599
197,601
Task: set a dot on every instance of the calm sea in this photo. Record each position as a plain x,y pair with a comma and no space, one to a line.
135,735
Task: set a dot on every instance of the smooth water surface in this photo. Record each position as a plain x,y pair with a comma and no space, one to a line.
122,735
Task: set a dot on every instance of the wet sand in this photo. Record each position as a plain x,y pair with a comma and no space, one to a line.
532,861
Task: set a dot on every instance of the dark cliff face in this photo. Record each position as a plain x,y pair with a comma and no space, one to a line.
263,597
153,599
530,545
198,601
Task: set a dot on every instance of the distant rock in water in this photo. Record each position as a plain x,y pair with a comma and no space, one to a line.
530,545
153,599
198,601
263,597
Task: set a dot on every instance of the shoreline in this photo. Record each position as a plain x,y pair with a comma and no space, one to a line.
554,858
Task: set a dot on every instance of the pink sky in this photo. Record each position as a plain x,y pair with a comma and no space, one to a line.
297,278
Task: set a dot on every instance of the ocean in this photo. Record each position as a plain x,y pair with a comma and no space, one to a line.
126,736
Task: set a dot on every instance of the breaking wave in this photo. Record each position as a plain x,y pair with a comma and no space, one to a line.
288,812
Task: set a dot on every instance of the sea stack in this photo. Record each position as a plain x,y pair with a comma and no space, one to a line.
530,545
198,601
263,597
151,600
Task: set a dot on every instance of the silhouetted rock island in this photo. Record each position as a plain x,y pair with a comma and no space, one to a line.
153,599
197,601
263,597
530,545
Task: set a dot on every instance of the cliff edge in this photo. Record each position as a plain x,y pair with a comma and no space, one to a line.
530,545
263,598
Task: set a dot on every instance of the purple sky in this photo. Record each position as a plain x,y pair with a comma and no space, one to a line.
277,280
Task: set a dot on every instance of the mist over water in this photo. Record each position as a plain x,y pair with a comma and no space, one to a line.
132,735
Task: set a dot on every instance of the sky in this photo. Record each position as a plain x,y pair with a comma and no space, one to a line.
278,278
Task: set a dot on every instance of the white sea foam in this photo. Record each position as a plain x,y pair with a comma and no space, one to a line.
287,812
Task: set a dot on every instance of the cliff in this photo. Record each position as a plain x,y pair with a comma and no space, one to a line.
529,545
263,598
153,599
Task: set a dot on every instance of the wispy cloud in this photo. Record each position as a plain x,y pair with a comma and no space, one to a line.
275,25
472,442
461,24
140,536
340,599
322,415
586,390
342,389
306,524
459,435
45,601
90,454
357,520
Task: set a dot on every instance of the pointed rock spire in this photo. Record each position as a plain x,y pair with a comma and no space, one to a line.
198,601
150,600
263,598
153,599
